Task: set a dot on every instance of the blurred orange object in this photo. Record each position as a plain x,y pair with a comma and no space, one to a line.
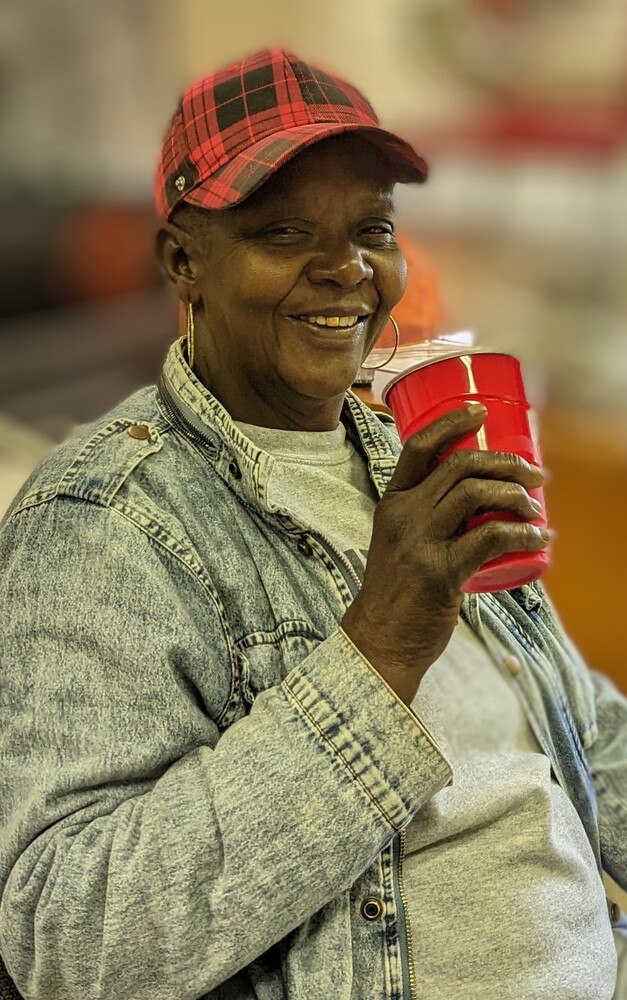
420,313
103,251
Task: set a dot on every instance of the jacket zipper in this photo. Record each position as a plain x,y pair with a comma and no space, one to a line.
350,576
409,968
191,433
354,583
407,953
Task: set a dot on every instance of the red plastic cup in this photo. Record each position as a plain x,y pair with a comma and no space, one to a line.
426,391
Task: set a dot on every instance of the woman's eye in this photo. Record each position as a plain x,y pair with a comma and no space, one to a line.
283,231
378,236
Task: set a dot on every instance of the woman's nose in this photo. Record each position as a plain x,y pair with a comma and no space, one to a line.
344,265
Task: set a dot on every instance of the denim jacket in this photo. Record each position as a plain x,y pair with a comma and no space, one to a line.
201,778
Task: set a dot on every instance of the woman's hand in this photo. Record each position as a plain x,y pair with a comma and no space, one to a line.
421,553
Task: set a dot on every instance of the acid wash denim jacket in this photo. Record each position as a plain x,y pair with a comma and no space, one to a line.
201,778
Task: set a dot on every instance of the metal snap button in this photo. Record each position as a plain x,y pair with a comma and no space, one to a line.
305,548
614,909
371,908
513,664
138,431
235,470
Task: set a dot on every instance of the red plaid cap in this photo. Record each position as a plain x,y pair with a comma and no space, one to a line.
236,127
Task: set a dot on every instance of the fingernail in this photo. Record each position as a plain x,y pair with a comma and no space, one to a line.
477,409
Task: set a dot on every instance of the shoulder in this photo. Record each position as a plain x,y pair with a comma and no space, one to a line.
96,459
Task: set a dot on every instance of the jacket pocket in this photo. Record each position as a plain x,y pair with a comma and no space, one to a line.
269,656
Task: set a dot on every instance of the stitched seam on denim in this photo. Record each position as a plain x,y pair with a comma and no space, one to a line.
33,500
505,617
336,752
285,630
560,700
589,728
540,660
344,592
108,431
329,563
81,457
198,577
560,697
197,572
572,728
538,657
375,435
590,735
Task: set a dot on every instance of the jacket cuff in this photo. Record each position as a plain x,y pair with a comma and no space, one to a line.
360,720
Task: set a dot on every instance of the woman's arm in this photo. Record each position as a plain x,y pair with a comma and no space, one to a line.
142,851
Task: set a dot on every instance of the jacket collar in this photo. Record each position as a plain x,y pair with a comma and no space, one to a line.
241,463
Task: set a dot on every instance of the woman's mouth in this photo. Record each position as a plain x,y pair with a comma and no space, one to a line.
332,322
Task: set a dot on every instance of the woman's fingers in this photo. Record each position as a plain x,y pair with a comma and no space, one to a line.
493,539
421,452
488,465
478,496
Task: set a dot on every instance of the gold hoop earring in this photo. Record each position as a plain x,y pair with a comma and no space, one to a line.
190,335
397,334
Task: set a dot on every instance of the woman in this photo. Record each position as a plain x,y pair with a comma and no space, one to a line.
209,755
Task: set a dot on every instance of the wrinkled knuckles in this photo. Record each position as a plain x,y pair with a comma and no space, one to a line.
538,536
470,493
517,497
466,461
510,458
511,535
419,444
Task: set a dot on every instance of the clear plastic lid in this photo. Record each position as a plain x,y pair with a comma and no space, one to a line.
410,355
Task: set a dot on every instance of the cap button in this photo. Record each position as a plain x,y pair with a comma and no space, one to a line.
138,431
179,183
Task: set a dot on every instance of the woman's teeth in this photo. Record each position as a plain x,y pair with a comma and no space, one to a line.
331,320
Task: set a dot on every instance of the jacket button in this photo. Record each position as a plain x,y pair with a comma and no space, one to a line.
513,664
138,431
305,548
235,470
371,909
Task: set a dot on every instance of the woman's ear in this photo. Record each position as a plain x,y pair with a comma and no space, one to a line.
177,260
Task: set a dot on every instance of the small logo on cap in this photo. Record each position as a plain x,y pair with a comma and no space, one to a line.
179,183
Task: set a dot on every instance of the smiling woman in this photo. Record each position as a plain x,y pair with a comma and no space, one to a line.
238,669
291,287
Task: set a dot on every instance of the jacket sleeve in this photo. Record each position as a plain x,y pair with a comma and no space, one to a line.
143,851
607,759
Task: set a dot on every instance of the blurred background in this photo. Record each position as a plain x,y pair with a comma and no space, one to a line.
519,105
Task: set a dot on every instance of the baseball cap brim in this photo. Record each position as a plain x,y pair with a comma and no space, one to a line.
247,171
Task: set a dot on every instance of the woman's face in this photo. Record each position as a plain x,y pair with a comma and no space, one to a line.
292,287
